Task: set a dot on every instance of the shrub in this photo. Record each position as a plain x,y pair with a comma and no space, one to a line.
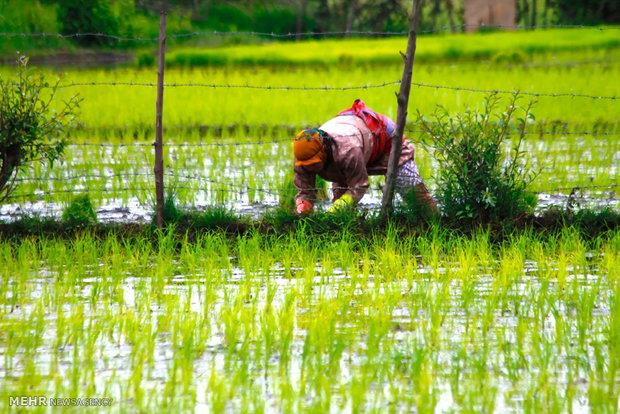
275,20
30,127
79,212
477,180
88,17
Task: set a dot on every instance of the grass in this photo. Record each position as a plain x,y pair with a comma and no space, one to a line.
187,106
312,323
506,46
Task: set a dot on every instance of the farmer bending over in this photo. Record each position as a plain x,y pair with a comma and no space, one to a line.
346,150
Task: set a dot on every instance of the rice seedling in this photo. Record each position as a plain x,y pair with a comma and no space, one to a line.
293,322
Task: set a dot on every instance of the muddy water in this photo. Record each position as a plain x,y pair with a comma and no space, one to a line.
134,211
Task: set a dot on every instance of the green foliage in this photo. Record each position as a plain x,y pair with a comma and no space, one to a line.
172,213
19,16
30,127
412,210
587,11
79,212
286,193
145,59
275,20
476,181
88,17
212,218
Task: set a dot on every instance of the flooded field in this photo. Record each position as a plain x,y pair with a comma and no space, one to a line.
437,322
248,175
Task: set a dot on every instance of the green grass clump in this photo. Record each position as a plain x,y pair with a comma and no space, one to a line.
171,212
213,218
412,210
80,212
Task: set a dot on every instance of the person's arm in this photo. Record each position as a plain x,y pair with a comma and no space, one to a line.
305,182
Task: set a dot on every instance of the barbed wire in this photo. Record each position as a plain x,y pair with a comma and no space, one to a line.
343,88
245,142
236,86
514,92
83,176
290,35
244,188
75,191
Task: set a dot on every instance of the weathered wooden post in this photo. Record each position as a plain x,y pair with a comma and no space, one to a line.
401,119
159,156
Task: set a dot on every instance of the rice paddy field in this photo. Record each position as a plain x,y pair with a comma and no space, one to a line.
228,126
434,321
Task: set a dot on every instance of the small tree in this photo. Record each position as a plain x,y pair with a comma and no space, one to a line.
30,128
478,179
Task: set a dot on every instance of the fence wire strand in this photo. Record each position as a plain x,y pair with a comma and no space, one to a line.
245,142
344,88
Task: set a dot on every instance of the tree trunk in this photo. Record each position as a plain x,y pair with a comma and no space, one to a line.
322,16
449,8
435,13
545,12
534,11
401,116
523,15
351,10
301,14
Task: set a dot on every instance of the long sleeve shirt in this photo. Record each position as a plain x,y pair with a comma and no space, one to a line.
350,168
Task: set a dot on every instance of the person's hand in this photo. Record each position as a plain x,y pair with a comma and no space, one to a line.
303,206
343,202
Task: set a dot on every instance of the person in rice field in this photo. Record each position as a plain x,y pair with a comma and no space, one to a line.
346,150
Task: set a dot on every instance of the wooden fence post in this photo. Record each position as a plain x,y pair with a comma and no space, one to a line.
403,101
159,157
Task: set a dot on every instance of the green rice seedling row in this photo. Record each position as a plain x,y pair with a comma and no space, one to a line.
289,324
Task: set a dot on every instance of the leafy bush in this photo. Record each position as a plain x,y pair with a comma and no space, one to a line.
275,20
88,17
30,127
477,180
79,212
